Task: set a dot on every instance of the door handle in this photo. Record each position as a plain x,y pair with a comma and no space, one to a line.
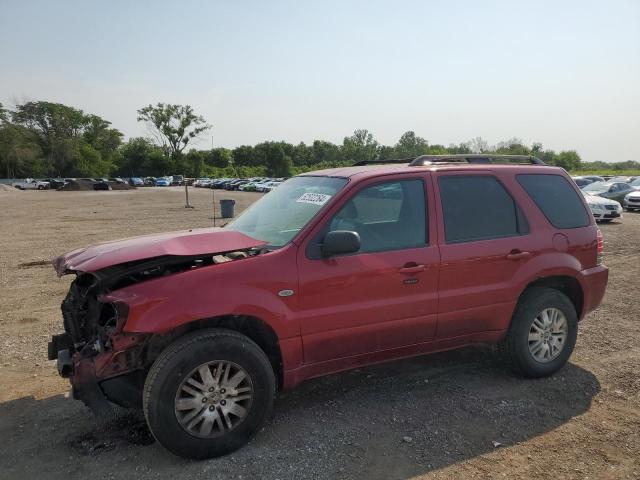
409,269
517,255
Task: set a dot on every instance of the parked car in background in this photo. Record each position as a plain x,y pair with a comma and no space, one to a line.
101,184
612,190
603,209
235,185
177,180
136,182
582,182
267,187
31,184
332,270
150,181
621,178
202,182
163,182
631,201
219,183
635,183
55,183
260,186
117,180
248,187
594,178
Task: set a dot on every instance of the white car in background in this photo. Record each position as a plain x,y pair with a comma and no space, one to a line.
270,186
603,209
31,184
631,201
202,182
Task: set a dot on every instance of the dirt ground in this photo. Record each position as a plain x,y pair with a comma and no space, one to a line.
453,415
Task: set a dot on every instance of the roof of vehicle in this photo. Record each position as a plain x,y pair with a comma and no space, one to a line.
367,171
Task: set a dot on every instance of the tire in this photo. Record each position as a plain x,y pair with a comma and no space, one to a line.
516,347
179,362
40,187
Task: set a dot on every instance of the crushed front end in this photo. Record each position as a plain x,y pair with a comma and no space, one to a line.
99,359
103,362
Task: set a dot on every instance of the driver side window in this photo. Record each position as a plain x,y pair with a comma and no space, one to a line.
387,216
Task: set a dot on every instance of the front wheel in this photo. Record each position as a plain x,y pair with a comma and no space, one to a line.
542,334
208,393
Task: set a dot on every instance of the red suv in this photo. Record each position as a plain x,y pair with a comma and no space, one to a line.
332,270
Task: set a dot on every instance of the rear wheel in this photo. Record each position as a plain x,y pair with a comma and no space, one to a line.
208,393
542,334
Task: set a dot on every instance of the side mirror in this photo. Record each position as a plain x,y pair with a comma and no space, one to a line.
340,242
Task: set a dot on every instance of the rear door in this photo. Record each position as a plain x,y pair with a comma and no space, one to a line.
385,295
485,240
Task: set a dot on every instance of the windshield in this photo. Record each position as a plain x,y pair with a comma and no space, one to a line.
278,216
635,182
596,187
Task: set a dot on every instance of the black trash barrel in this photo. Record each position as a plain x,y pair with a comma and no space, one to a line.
227,208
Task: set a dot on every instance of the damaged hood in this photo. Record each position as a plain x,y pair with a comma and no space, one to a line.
194,242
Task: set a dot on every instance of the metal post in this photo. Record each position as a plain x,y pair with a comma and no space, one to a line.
213,190
186,193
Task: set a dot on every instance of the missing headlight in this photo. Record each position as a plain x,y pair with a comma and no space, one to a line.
108,316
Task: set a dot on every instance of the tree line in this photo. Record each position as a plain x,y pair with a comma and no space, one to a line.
46,139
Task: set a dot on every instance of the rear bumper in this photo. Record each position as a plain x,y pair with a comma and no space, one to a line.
594,284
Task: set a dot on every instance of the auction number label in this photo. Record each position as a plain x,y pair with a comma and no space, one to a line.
314,198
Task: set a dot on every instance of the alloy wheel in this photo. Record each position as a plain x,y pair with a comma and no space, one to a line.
213,399
548,335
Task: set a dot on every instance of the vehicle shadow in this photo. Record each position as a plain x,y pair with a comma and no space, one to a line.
395,420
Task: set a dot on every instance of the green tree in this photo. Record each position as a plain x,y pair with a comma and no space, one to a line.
325,152
278,163
55,126
410,145
219,158
100,136
139,157
569,160
361,146
245,156
20,154
173,126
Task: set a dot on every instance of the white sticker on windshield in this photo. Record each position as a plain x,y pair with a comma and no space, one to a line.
314,198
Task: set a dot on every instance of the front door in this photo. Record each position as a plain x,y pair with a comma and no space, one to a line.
385,295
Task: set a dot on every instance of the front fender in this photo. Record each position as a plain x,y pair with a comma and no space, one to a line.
242,287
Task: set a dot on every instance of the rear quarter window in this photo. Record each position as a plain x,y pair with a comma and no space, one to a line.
558,200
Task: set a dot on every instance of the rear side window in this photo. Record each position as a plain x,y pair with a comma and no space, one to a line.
479,208
557,199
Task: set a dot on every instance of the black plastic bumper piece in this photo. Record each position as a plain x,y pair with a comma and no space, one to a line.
125,390
59,342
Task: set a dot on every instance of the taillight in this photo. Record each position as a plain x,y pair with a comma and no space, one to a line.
600,249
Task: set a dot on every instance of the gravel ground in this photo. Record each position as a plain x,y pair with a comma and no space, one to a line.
452,415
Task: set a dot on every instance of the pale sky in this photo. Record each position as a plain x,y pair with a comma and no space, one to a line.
564,73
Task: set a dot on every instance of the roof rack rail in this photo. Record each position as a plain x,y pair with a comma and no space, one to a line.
384,162
423,160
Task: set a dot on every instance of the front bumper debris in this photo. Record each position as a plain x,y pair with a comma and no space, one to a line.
124,360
